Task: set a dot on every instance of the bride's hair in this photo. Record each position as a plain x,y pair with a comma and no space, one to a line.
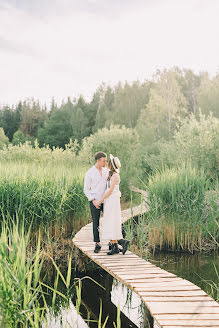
111,169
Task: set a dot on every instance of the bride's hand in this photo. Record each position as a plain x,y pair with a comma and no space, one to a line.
96,203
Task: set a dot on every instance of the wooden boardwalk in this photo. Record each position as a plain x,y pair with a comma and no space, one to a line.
172,301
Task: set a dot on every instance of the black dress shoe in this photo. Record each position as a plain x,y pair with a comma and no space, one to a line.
97,248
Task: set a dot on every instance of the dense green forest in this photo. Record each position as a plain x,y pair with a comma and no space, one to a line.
155,108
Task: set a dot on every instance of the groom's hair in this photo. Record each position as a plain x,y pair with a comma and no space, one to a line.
99,155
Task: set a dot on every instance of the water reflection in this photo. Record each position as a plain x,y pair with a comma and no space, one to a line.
133,313
198,268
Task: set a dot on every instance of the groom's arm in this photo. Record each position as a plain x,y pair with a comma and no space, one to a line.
87,186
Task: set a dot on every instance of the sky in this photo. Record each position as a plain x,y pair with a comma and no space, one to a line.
61,48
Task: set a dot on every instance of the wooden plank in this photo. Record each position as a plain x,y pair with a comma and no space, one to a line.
189,323
145,294
188,326
163,284
150,280
170,288
197,304
173,301
179,308
136,271
139,274
190,316
177,299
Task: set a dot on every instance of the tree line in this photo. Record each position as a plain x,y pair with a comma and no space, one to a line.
154,108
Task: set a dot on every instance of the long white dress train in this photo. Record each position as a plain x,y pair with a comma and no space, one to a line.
112,223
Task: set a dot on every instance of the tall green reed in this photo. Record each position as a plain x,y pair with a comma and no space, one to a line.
177,217
43,195
19,279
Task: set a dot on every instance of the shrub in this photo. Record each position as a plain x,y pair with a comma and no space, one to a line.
3,138
197,141
33,153
119,141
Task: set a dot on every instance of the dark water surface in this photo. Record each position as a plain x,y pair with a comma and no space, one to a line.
200,268
197,268
133,313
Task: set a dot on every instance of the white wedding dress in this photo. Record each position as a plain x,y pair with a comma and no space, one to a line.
112,223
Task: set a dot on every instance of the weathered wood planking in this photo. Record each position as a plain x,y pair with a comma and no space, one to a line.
172,301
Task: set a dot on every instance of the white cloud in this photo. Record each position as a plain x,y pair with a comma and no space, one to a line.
73,50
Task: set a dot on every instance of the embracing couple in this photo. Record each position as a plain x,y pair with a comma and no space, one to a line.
101,186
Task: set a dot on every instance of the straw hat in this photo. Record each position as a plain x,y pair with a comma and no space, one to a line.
115,163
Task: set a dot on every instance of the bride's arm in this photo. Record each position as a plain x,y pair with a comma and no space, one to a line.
114,181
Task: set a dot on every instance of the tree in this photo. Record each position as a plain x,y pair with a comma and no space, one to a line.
129,100
104,113
79,124
165,107
208,96
190,83
8,118
32,117
3,138
18,138
197,141
57,130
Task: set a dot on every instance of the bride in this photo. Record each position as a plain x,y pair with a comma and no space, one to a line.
112,224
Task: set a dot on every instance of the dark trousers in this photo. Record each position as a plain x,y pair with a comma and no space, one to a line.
95,213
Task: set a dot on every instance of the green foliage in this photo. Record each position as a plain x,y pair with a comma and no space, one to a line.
20,289
178,217
57,129
128,102
41,195
178,191
44,155
166,105
208,96
119,141
42,185
18,137
3,139
197,140
32,117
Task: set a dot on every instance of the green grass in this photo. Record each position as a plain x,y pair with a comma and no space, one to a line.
183,211
42,194
19,279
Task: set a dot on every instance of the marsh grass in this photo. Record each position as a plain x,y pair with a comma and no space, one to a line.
19,279
180,215
42,195
23,291
214,286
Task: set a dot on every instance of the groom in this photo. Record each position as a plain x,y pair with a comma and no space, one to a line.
94,187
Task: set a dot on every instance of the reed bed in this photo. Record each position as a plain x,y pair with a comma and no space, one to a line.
19,279
26,300
183,211
43,195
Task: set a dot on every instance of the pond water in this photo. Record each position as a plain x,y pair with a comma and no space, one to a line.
111,294
198,268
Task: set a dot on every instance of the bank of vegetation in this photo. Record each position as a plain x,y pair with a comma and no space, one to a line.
165,132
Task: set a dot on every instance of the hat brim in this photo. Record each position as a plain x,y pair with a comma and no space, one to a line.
111,158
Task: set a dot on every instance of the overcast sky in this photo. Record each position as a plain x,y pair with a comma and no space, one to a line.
66,48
